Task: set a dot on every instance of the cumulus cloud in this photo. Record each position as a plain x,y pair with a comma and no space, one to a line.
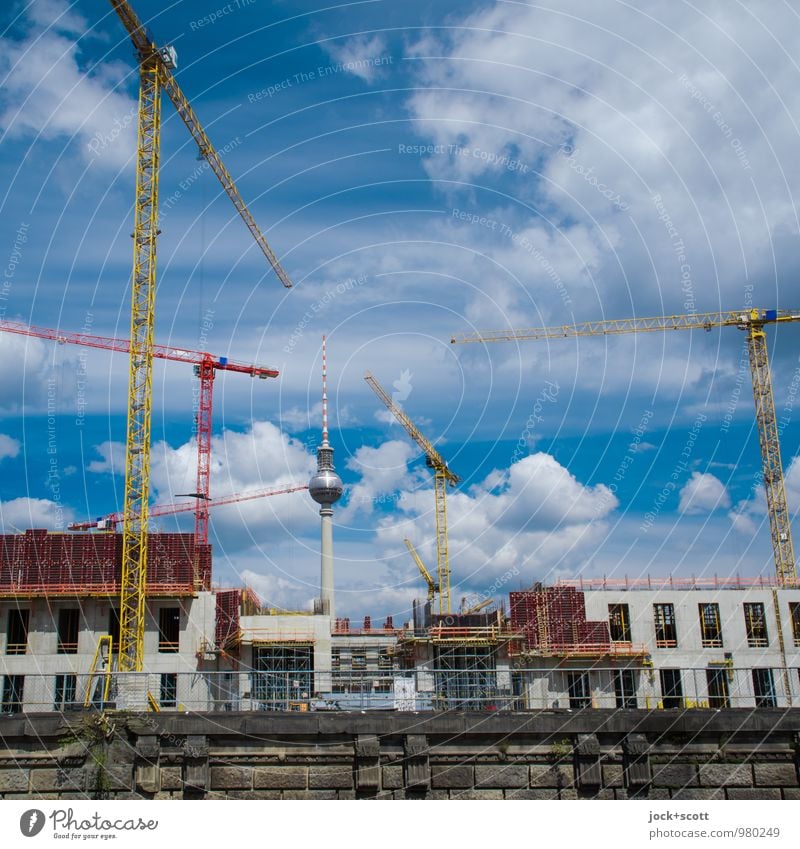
749,514
275,591
25,385
113,459
47,91
534,516
9,447
21,513
298,418
384,477
538,491
362,55
260,458
637,131
703,493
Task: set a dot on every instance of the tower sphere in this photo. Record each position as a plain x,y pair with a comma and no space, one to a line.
325,487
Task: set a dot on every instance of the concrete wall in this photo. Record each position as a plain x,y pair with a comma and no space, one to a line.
549,755
289,628
544,687
197,617
690,655
689,651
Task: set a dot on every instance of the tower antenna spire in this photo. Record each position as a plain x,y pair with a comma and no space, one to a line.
324,392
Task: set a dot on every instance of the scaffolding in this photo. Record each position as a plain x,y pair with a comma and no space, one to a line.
734,582
465,676
610,650
282,675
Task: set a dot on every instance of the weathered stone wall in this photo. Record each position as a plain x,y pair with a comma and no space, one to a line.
733,754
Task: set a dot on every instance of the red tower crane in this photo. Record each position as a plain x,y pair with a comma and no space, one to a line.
109,523
206,367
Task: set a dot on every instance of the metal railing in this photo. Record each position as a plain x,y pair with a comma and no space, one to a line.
711,582
421,689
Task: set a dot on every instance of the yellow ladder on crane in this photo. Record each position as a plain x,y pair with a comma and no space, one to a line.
104,661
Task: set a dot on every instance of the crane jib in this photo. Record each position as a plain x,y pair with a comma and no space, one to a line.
752,321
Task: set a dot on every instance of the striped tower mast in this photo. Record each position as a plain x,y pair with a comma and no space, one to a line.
325,487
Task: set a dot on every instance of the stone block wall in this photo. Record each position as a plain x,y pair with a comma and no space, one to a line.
548,755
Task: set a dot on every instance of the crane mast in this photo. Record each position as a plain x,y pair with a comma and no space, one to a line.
774,488
155,75
442,476
140,372
752,321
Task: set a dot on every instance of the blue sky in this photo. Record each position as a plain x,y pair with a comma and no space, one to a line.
420,172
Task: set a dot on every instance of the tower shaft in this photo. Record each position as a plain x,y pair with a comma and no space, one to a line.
326,562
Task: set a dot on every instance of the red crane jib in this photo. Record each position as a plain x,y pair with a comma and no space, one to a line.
205,365
162,352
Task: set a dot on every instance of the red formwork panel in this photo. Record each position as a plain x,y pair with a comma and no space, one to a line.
42,563
556,616
227,618
554,604
521,608
593,632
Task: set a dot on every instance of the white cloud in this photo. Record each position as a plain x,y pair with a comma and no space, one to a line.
47,92
384,477
539,491
55,13
693,106
113,462
21,513
298,418
362,55
26,382
533,519
534,516
275,591
260,458
750,513
9,447
703,493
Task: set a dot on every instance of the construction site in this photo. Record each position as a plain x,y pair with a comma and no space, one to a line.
114,618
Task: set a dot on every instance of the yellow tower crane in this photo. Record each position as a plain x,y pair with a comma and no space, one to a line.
475,608
441,477
433,587
155,74
752,321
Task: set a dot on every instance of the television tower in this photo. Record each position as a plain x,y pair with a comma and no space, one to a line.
326,489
